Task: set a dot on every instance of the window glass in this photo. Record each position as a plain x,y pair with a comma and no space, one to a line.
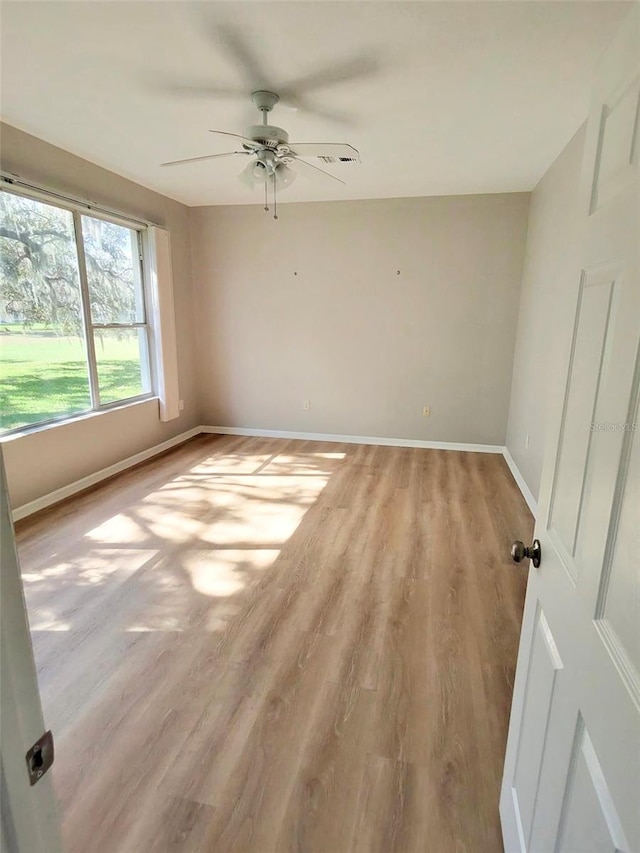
73,332
43,364
122,361
113,272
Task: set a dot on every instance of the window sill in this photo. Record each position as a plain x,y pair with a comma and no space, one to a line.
72,419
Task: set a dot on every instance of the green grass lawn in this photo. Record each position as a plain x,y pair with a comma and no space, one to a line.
43,375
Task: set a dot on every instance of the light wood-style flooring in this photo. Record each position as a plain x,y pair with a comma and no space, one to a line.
263,645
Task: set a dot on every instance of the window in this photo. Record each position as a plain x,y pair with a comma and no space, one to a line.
73,322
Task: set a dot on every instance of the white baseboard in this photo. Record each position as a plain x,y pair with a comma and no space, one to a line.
85,482
92,479
354,439
527,494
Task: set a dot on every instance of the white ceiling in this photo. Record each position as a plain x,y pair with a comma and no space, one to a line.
467,97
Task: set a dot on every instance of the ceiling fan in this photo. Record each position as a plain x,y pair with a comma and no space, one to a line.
274,161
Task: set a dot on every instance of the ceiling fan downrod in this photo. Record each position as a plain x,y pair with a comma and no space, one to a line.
265,101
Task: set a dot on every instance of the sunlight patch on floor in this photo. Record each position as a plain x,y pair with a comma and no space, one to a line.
259,513
226,572
118,528
303,464
195,543
232,464
50,625
56,595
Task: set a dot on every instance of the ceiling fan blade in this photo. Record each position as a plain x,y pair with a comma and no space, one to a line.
202,90
313,172
245,139
206,157
343,72
242,55
325,149
342,117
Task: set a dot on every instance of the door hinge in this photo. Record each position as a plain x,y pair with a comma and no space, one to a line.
40,758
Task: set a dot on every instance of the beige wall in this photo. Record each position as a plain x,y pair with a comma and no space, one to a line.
311,308
548,290
42,461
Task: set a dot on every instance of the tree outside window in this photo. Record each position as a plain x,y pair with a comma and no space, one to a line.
73,330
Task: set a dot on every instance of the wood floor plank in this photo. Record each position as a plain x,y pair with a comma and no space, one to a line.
265,646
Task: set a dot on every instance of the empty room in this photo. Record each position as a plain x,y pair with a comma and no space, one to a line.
319,387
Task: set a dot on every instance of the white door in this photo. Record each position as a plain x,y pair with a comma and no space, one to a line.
28,817
571,780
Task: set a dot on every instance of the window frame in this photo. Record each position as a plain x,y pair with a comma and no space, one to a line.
78,210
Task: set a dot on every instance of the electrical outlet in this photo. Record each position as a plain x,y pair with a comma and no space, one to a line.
306,405
426,411
526,441
181,405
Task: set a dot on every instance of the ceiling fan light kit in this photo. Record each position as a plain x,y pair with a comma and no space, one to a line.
273,155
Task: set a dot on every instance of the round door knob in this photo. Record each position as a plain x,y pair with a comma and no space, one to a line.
519,551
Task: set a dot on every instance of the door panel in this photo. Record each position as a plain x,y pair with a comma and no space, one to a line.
589,822
607,427
588,352
619,610
618,144
614,424
544,664
572,769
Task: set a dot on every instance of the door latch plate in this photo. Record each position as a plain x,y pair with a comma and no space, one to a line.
40,758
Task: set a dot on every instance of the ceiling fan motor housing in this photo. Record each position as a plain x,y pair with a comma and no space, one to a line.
268,135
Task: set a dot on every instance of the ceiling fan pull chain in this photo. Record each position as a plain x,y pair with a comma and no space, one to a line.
266,198
275,197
